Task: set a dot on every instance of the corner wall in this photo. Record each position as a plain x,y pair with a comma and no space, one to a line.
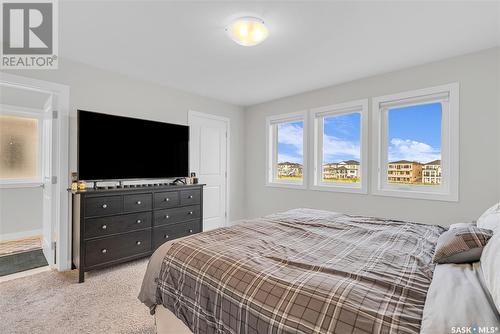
108,92
479,188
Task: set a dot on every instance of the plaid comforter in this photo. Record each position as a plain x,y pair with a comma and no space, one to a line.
302,271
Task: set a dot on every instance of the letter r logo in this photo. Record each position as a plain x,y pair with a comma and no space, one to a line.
27,28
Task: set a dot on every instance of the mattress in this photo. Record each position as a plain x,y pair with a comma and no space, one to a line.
303,271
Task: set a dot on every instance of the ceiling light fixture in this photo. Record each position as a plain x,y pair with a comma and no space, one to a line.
247,31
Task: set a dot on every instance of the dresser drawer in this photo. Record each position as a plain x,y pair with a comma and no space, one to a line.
99,227
172,216
166,233
137,202
101,206
114,248
166,199
189,197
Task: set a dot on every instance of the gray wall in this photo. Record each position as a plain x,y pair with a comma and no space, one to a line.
108,92
478,75
20,212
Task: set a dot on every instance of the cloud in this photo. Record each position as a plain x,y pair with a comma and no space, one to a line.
291,134
334,147
407,149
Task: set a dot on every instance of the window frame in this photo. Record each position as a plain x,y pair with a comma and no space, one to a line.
448,96
25,112
317,116
272,152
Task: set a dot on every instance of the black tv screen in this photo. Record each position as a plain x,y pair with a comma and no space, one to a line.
117,148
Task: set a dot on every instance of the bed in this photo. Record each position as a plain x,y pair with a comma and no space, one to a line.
311,271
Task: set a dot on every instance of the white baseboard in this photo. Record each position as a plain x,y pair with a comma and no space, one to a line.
20,235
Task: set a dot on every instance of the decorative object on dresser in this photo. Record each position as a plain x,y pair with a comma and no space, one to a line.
117,225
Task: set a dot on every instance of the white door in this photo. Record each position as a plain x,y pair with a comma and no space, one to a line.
56,214
48,181
208,138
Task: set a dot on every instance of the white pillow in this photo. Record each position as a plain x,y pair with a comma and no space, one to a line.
461,225
490,264
490,219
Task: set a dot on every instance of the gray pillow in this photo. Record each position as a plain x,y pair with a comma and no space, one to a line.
461,245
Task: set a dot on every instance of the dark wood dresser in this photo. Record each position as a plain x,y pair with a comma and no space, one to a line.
122,224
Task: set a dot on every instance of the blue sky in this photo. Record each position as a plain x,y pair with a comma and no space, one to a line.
341,138
414,134
290,143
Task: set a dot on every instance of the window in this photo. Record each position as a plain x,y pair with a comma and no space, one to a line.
20,144
340,150
418,143
286,156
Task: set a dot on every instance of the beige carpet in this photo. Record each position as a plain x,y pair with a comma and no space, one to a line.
52,302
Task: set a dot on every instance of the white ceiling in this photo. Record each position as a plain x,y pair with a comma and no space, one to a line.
311,44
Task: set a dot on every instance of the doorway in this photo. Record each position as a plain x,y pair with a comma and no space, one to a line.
209,159
34,229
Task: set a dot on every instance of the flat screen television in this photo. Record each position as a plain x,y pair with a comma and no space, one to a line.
120,148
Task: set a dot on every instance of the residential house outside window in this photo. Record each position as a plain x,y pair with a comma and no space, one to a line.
417,143
340,147
286,150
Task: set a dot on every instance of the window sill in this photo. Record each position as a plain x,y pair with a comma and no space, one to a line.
340,188
286,185
20,184
416,194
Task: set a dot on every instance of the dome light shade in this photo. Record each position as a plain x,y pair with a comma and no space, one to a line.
247,31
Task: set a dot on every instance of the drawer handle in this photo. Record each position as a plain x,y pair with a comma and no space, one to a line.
190,231
190,212
165,236
190,196
138,243
167,216
104,250
139,221
104,227
166,199
139,202
104,206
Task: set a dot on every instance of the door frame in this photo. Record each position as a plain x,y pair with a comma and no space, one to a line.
192,113
61,226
